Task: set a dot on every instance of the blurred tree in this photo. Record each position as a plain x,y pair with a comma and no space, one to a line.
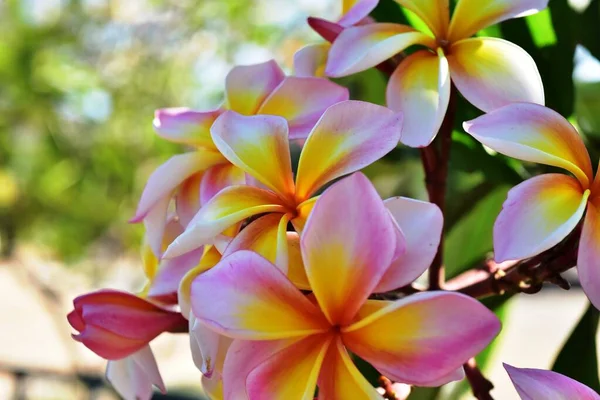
79,82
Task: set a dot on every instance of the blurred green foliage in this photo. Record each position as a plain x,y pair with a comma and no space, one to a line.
79,82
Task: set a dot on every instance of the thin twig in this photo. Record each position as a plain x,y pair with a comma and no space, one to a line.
480,385
526,276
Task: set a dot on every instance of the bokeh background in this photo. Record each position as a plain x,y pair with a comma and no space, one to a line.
79,82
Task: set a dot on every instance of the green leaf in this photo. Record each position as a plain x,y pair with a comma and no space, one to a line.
540,26
389,11
422,393
578,357
471,238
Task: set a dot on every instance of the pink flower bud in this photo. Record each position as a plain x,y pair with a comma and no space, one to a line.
115,324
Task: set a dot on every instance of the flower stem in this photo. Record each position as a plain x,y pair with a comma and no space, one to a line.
436,159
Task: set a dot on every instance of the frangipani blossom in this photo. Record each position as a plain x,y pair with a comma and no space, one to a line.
287,342
133,376
421,225
540,212
489,72
115,324
312,59
349,136
537,384
193,178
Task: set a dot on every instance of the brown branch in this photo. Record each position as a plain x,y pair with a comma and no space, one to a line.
526,276
480,386
436,159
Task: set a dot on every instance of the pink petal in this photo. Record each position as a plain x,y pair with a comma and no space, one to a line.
182,125
537,215
166,178
353,11
259,146
470,16
302,101
420,89
166,282
247,86
133,376
230,206
362,47
218,178
155,223
210,258
534,384
422,223
291,373
588,259
347,246
491,73
187,199
208,348
435,13
534,133
311,60
247,297
244,356
424,337
107,344
326,29
349,136
340,379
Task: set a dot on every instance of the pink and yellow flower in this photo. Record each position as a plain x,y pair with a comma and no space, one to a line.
540,212
193,178
489,72
537,384
349,136
286,343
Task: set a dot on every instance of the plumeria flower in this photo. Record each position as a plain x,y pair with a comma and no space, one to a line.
349,136
312,59
287,342
116,324
540,212
488,72
537,384
420,222
133,376
193,178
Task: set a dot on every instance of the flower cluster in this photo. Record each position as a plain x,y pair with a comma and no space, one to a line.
285,274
